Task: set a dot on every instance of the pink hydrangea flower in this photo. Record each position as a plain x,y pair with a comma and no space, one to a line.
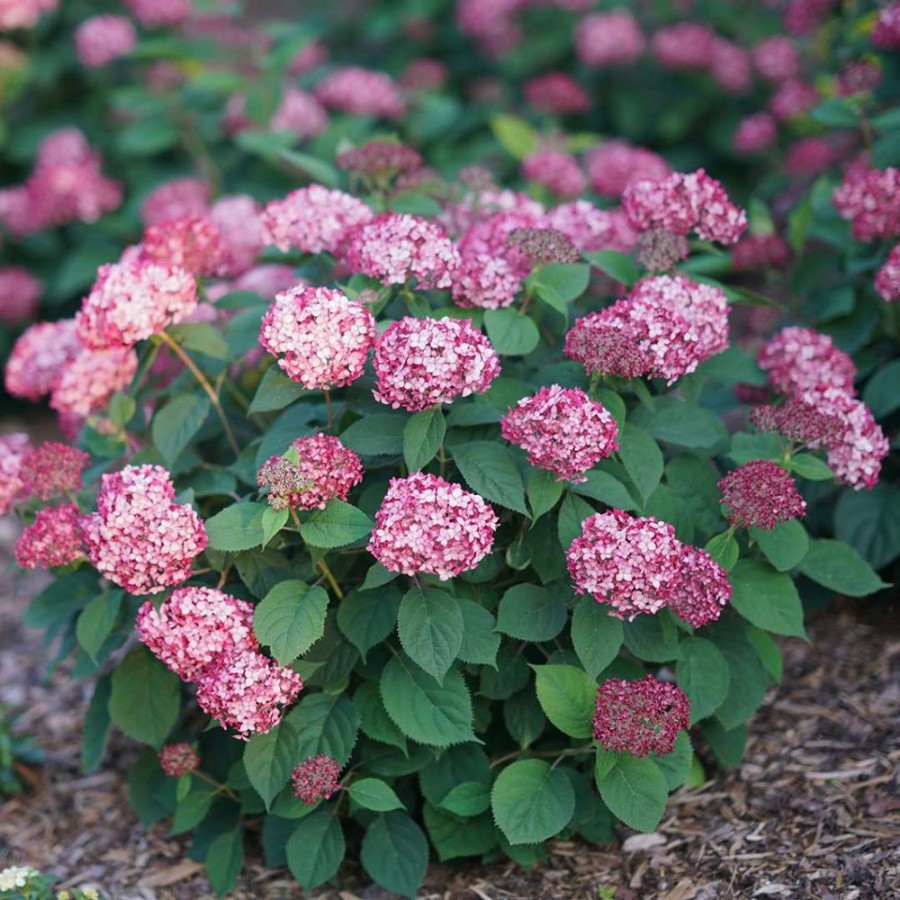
799,360
16,14
429,525
730,66
313,219
590,228
485,281
558,172
614,165
104,38
803,17
562,430
176,199
886,33
704,590
682,203
178,759
858,77
300,113
53,539
326,470
139,538
793,98
133,301
362,92
870,198
809,156
86,383
422,362
609,39
20,292
631,564
159,13
801,422
685,45
321,338
380,160
39,358
396,247
491,235
316,779
52,469
556,93
13,449
238,220
192,244
887,281
424,74
605,349
490,24
267,280
193,626
754,252
640,717
755,133
776,58
760,494
246,691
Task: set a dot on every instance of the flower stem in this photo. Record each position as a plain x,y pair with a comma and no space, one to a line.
322,565
203,381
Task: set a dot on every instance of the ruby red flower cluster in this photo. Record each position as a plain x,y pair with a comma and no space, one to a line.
317,778
178,759
760,494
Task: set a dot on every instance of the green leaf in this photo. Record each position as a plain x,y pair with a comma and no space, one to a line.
422,437
766,598
192,808
567,696
325,723
471,798
607,489
702,673
201,337
836,566
395,853
532,801
724,549
869,521
676,766
430,626
452,841
881,394
515,135
427,712
558,284
531,613
97,620
811,467
836,112
275,391
96,726
272,521
373,718
524,719
619,266
747,677
784,546
224,861
177,423
377,576
366,618
490,470
270,758
317,169
378,434
145,698
727,745
652,638
642,458
290,619
337,525
316,849
596,636
237,527
635,791
544,492
374,794
510,333
682,424
480,642
572,515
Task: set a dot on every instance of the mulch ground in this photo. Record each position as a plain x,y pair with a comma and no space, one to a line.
814,811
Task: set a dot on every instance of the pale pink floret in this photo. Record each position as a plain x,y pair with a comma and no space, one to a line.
247,691
53,539
491,23
39,358
609,39
16,14
485,281
139,538
423,362
870,198
313,219
730,66
20,292
684,203
87,382
176,199
193,626
562,430
557,171
491,235
429,525
793,98
614,165
590,228
300,113
52,469
190,243
102,39
760,494
13,450
239,222
801,360
132,301
395,248
887,280
886,33
178,759
158,13
321,338
362,92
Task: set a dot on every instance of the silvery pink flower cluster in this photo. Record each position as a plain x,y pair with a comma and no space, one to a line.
13,450
870,199
886,33
298,112
640,717
754,133
16,14
320,337
20,293
557,93
423,362
615,165
887,280
485,281
139,537
131,301
760,494
802,17
797,421
395,247
776,58
609,39
313,219
85,383
590,228
428,525
178,759
206,636
54,538
101,39
176,199
730,66
52,469
799,359
793,98
637,565
562,430
159,13
316,779
362,92
604,350
557,171
684,203
66,185
380,159
673,323
754,252
191,244
490,23
684,45
325,470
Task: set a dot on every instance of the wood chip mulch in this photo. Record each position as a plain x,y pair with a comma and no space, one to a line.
814,811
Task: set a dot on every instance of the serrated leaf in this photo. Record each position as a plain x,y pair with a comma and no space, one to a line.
811,467
374,794
97,620
510,333
325,723
337,525
193,807
224,861
290,619
270,758
619,266
766,598
607,489
596,636
480,641
145,698
176,424
490,470
395,853
275,391
544,492
839,567
366,618
430,627
237,527
531,613
635,790
642,459
532,802
724,549
422,437
316,849
567,695
784,546
471,798
702,673
272,521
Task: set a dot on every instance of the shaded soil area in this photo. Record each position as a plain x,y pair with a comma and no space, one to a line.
814,811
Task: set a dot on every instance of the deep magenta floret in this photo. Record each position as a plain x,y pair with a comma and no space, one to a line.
760,494
316,779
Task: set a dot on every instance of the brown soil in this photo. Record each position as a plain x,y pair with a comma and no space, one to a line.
814,812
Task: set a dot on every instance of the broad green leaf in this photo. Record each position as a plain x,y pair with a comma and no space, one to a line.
524,719
272,521
275,391
480,642
642,458
177,423
836,566
237,527
784,546
96,726
635,790
373,718
471,798
395,853
490,470
316,849
515,135
652,638
452,840
531,613
532,801
596,636
430,627
881,393
378,434
316,168
337,525
544,491
97,620
366,618
676,766
572,515
201,337
558,284
724,549
747,677
702,673
270,758
377,576
510,333
619,266
811,467
224,861
766,598
607,489
567,695
192,808
422,437
325,723
374,794
145,698
290,619
682,424
869,521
